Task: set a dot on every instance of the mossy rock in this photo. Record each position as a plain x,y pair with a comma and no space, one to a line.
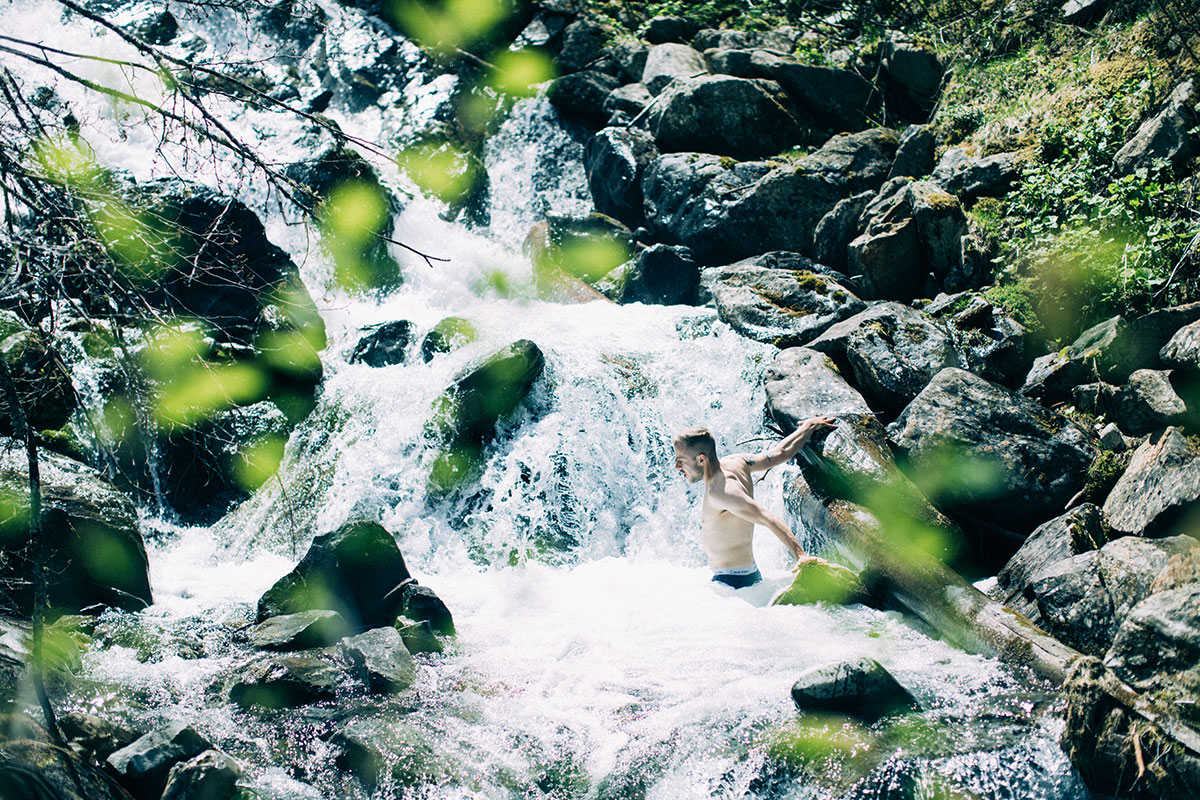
821,582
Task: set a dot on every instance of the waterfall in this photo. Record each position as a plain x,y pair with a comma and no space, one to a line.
594,657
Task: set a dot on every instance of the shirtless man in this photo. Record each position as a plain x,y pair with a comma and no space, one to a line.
730,511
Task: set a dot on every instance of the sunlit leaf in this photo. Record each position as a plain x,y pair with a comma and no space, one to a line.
64,160
355,211
258,462
440,169
204,389
14,515
590,258
173,348
519,72
448,25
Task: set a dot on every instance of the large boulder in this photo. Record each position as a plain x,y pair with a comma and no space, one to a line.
1035,460
582,95
94,553
670,29
725,212
892,350
784,307
835,231
993,344
668,62
626,103
911,241
615,159
353,570
1182,351
1053,375
827,100
914,157
1157,647
143,766
1076,532
43,385
384,344
913,75
381,660
1083,600
1147,403
860,687
1159,490
1170,134
32,770
466,414
659,275
287,681
300,631
728,116
212,775
1116,750
970,178
582,44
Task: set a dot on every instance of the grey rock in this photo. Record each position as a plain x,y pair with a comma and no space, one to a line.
630,57
723,39
1147,403
745,119
352,570
43,387
802,383
82,515
670,29
1158,490
630,99
828,100
892,350
670,61
387,750
384,344
544,30
92,737
418,637
914,73
725,212
615,160
781,307
421,604
300,631
1139,343
861,688
914,157
1169,134
582,95
381,660
1054,375
38,771
994,345
582,44
838,228
1159,638
212,775
1075,532
1183,349
448,335
970,178
1110,438
285,681
659,275
1084,12
143,766
1037,460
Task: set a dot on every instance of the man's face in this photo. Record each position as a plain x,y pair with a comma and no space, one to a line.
688,464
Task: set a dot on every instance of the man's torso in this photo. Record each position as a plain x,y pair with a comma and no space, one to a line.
725,537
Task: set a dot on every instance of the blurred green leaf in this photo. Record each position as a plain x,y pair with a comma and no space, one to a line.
203,389
440,169
450,24
258,462
519,72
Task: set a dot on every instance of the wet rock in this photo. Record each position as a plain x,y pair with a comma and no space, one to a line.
582,95
143,766
15,725
44,388
96,557
725,212
384,344
1111,746
892,350
94,738
838,228
993,344
158,27
1169,134
40,771
827,100
544,30
914,76
1036,460
418,637
729,116
285,682
571,253
447,336
914,157
1147,403
615,160
912,240
670,29
582,45
1083,600
1078,531
375,750
421,604
630,100
300,631
659,275
467,413
780,307
212,775
819,582
860,688
381,660
802,383
352,570
970,178
1159,490
670,61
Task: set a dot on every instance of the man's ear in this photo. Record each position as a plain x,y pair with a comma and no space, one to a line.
702,459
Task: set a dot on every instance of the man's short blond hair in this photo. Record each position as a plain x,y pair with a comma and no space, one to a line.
699,441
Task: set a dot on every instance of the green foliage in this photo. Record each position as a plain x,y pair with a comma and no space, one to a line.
1103,473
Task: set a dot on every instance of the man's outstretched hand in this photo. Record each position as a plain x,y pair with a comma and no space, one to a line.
804,559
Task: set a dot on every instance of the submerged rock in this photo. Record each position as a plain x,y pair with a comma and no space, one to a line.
143,766
384,345
860,688
380,660
94,737
819,582
285,682
447,336
300,631
354,571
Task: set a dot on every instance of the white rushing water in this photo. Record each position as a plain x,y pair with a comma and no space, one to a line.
594,657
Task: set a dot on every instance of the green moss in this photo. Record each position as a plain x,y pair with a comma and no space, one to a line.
810,282
1102,475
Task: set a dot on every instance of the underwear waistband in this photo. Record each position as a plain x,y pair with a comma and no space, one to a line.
750,570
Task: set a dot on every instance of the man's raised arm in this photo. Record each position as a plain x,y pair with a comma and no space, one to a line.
783,450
